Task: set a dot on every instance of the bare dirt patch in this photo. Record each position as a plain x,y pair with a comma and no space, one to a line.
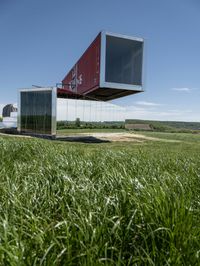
130,137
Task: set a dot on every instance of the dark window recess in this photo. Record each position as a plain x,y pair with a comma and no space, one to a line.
36,112
123,60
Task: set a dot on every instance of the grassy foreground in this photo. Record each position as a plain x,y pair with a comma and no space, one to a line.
105,204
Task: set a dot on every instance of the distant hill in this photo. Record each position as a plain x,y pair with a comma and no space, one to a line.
167,125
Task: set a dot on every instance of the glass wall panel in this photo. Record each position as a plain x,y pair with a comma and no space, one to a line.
36,112
123,60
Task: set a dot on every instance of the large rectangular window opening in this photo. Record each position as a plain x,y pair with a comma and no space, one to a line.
123,60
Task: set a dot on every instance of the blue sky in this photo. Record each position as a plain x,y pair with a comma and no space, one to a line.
41,40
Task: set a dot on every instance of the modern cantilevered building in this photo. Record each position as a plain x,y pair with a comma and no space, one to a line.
110,68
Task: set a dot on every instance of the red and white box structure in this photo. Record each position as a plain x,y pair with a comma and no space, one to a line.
111,67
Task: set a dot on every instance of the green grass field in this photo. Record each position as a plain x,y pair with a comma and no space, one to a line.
86,130
100,204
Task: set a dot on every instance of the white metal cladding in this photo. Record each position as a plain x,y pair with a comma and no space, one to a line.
19,112
54,112
125,86
53,91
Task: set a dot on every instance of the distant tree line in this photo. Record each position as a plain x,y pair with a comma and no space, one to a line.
158,126
90,125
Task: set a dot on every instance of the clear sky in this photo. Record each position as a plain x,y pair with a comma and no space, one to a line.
40,40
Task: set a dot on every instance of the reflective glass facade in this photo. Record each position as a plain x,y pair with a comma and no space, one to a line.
36,112
123,60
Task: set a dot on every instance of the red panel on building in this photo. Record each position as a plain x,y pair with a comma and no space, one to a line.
85,75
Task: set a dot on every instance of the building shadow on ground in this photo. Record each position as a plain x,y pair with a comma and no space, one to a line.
82,139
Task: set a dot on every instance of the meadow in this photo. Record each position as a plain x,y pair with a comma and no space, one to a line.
119,203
